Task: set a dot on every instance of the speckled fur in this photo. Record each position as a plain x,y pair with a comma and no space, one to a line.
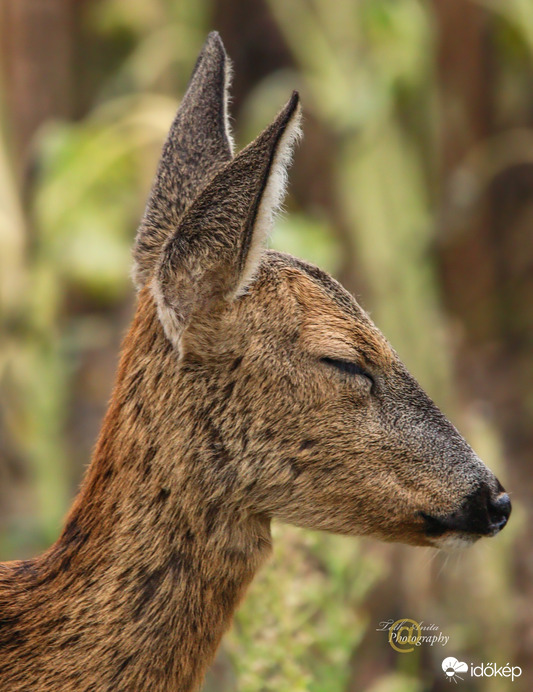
198,146
212,433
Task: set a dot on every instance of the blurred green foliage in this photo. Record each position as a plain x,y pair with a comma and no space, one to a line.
302,618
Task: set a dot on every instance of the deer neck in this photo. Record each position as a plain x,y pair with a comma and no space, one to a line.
152,571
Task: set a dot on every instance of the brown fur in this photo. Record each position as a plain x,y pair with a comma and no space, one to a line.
223,417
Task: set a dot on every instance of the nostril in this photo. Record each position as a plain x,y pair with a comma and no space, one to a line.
499,511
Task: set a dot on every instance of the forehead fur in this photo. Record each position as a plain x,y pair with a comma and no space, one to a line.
333,323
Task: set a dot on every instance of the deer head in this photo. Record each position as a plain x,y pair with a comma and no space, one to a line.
313,419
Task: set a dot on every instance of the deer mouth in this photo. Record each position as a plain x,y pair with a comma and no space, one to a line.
438,530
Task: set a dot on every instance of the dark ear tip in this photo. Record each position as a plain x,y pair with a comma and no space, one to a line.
214,40
293,105
212,63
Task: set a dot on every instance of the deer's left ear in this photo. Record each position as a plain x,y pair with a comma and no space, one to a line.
213,254
198,145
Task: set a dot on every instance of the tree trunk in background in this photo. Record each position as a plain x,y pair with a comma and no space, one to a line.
256,52
37,47
465,75
486,266
36,65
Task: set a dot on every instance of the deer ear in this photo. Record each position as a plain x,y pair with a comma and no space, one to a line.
213,254
198,145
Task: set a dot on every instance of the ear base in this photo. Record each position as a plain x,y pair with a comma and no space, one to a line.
198,145
215,251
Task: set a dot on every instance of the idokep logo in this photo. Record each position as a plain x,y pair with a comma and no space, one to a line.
452,667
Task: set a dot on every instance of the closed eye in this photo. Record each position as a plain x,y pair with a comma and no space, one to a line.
348,367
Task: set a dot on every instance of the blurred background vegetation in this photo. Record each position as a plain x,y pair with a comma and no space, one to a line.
413,185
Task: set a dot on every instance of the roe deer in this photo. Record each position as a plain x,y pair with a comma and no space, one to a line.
251,387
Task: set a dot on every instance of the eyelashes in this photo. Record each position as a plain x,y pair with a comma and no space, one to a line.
347,367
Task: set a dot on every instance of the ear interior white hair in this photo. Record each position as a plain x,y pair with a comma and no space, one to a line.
228,76
272,198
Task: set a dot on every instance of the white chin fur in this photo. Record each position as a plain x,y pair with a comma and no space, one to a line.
451,543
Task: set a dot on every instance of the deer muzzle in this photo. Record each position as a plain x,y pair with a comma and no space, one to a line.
484,512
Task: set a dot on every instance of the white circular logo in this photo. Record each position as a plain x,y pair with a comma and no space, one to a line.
452,667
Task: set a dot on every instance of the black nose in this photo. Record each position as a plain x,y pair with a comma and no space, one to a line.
483,513
499,512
